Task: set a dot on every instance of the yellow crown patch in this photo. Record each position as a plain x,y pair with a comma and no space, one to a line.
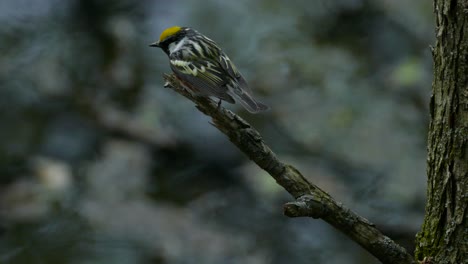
169,32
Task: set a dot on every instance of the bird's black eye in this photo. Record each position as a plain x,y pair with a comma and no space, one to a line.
171,39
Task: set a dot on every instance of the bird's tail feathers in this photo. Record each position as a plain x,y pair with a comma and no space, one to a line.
249,103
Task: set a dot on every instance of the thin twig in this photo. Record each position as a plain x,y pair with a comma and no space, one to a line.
310,199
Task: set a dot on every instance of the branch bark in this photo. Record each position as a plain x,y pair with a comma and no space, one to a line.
310,199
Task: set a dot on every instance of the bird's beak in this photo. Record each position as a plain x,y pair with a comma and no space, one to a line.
155,44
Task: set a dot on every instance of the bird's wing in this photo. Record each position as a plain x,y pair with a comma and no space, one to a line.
231,69
240,91
206,76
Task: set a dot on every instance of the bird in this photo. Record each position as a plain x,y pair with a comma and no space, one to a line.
204,69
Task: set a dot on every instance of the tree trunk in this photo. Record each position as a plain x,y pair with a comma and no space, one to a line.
444,234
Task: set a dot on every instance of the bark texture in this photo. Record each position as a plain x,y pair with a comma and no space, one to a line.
444,234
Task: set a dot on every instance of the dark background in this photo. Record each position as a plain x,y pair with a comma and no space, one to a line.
100,164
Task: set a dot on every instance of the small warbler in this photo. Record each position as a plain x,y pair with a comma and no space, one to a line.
204,69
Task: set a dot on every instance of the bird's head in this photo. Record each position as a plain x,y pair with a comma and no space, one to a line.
170,36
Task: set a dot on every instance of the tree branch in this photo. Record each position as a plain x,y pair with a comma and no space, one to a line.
310,199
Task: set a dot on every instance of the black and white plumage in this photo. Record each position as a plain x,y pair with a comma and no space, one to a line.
204,68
